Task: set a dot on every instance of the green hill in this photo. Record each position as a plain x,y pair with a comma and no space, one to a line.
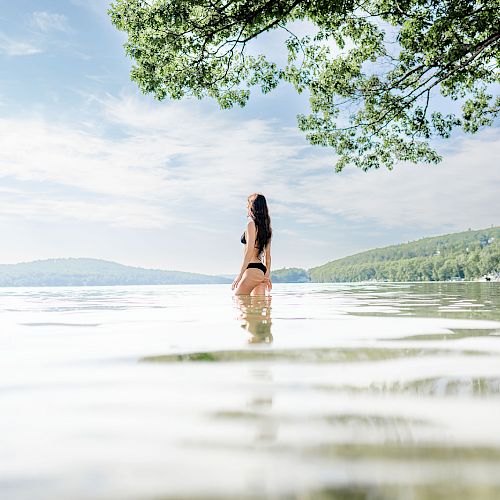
290,275
77,272
466,255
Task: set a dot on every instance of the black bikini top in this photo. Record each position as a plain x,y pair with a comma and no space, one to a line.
244,241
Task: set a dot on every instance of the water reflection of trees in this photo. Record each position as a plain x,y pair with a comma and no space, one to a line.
255,314
446,300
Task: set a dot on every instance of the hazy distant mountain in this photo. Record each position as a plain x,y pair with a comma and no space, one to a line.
81,271
230,277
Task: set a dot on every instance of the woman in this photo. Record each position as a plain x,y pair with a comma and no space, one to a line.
254,275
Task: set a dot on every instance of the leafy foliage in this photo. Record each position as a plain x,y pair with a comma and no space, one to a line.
372,68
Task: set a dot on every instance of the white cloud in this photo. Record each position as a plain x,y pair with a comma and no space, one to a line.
209,157
34,150
12,47
460,192
167,156
117,213
46,21
167,159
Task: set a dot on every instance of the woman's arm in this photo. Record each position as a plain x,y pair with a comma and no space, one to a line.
268,259
269,285
251,233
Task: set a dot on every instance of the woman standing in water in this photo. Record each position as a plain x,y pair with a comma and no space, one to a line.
254,275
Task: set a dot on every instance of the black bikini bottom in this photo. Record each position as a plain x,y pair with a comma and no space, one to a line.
258,265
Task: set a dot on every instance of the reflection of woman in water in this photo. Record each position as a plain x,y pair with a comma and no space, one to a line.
254,275
256,317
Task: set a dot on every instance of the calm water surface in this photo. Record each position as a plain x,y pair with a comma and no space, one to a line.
376,391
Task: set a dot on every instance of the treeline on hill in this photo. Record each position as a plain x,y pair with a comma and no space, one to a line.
82,271
290,275
467,255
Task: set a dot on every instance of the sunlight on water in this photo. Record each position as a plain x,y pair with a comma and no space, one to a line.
345,391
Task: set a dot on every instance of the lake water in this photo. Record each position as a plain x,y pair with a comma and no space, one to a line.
352,391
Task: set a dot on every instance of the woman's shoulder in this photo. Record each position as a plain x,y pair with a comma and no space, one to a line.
250,224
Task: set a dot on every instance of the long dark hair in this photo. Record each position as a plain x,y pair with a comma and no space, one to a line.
260,215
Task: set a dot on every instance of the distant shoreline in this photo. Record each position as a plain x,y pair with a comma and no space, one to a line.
280,283
468,256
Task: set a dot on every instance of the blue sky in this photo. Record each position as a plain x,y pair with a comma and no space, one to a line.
90,167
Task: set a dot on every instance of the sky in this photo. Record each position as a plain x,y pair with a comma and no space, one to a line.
91,167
